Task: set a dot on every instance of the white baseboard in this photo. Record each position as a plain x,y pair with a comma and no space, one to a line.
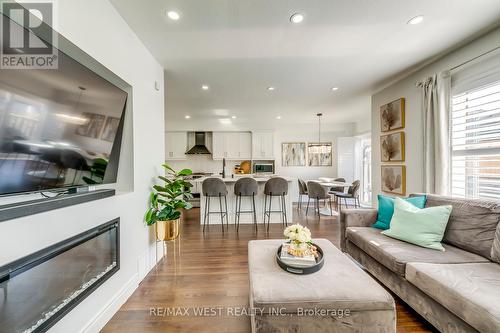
98,322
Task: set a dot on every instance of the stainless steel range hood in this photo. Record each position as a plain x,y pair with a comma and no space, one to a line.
199,144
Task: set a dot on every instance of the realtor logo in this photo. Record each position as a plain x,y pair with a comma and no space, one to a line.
27,37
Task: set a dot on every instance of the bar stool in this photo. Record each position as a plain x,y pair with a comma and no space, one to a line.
245,187
214,188
275,187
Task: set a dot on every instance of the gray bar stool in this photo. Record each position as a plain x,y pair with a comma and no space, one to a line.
275,187
214,188
245,187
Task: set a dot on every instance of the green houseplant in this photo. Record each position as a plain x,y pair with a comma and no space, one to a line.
165,202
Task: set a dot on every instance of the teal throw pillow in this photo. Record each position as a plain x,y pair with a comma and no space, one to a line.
386,209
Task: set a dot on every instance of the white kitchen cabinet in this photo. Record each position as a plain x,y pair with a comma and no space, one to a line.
245,145
218,145
231,145
262,145
175,145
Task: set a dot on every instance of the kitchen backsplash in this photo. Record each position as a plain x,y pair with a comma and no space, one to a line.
203,163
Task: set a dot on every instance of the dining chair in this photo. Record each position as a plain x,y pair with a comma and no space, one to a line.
352,193
317,192
302,191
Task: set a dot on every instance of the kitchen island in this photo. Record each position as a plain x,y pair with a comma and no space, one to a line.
246,202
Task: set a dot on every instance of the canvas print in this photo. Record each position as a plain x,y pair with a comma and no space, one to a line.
110,129
394,179
92,128
319,154
293,153
392,115
392,147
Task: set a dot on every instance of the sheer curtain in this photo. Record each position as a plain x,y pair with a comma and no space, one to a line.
436,103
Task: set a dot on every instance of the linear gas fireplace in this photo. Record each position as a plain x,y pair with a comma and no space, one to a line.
38,290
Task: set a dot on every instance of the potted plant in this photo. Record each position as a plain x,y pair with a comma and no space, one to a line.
166,201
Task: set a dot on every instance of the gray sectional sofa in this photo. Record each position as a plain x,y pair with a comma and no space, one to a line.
457,290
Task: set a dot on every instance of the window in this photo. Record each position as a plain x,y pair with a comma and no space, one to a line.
366,195
475,141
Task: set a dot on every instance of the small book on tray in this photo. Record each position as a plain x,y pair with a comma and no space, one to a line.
287,258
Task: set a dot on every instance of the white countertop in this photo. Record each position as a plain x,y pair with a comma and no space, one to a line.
260,179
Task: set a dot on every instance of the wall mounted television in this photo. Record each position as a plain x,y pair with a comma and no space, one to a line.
59,128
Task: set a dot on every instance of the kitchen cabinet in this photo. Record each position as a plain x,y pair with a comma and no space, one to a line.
262,145
175,145
231,145
245,145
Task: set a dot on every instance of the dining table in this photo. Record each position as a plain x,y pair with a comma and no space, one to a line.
328,183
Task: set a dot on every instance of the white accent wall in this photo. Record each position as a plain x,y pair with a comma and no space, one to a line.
96,28
406,87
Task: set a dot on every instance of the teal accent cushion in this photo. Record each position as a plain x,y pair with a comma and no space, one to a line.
386,209
422,227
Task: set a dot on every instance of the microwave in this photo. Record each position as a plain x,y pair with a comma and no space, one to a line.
263,168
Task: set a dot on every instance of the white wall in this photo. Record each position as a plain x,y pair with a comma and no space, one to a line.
95,27
414,132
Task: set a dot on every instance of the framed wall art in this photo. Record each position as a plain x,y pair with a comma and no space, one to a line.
392,115
293,154
393,179
392,147
319,154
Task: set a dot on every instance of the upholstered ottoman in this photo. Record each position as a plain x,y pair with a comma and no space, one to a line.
340,297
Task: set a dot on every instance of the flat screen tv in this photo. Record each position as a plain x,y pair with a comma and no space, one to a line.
59,128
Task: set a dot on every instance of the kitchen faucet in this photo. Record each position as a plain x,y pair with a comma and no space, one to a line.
223,173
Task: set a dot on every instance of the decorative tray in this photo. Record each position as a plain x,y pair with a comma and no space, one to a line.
301,270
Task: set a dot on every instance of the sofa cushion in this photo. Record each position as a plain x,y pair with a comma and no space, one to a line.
470,291
495,250
394,254
472,223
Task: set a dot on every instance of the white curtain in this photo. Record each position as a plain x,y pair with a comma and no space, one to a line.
436,104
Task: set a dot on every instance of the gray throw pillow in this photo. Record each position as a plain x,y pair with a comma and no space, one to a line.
495,249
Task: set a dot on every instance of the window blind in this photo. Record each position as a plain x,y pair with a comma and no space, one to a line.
475,142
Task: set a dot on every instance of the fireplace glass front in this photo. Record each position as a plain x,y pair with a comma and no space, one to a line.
37,290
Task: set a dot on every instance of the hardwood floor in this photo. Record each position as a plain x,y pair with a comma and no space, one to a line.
210,270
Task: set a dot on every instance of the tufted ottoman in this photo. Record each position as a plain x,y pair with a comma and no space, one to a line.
340,297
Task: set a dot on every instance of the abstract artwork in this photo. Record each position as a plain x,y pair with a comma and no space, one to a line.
293,153
110,129
392,147
394,179
319,154
92,128
392,115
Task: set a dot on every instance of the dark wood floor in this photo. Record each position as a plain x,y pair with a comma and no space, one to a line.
210,270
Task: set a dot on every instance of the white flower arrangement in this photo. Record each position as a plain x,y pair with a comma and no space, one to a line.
297,233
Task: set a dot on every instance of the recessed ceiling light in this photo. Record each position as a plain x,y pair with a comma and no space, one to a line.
234,117
335,88
205,87
270,88
187,117
173,15
415,20
225,121
278,117
296,18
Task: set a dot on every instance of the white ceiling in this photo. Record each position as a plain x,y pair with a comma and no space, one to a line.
239,48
